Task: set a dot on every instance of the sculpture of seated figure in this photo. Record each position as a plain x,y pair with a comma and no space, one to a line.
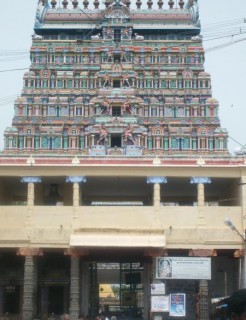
103,135
106,78
105,106
125,79
128,135
127,107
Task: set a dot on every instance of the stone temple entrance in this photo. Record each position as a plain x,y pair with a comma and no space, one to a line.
117,289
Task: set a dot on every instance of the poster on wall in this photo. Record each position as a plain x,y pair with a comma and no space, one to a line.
160,304
177,305
157,288
183,268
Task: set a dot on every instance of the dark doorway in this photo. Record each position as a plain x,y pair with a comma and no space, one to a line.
117,35
116,111
56,300
12,299
116,57
116,83
116,141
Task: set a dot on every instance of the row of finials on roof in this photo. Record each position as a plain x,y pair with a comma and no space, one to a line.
75,3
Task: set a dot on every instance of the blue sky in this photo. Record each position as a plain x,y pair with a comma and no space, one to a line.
227,66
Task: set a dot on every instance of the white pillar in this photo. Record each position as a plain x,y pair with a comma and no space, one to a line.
200,195
76,195
30,188
156,181
157,195
200,181
76,181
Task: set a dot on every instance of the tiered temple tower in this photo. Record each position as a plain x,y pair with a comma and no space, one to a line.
116,164
117,80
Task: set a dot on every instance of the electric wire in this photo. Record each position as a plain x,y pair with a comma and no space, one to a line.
219,24
224,45
12,55
10,70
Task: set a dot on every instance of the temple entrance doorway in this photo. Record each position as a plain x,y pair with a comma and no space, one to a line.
56,300
11,300
53,300
116,289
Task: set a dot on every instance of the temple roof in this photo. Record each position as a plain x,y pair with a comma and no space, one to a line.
56,18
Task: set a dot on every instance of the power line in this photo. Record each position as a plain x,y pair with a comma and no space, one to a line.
10,70
224,45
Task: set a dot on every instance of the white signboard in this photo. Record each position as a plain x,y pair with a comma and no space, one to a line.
183,268
160,304
157,288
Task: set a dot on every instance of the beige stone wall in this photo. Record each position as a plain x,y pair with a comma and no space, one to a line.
53,226
184,227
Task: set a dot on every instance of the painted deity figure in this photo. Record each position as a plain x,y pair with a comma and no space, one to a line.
116,67
126,33
106,79
123,55
105,106
125,79
127,107
109,33
128,135
20,110
192,5
103,135
109,56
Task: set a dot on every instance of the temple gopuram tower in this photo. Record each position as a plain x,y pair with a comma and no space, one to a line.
121,78
115,178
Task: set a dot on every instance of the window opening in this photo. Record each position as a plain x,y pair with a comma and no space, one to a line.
116,111
117,35
116,57
116,83
116,141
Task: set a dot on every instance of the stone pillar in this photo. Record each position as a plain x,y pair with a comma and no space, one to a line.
156,181
157,195
30,197
200,195
203,301
28,292
30,282
30,188
76,180
146,283
85,288
1,300
74,288
200,181
92,140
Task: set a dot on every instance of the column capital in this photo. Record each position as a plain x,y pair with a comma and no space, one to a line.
31,179
76,252
29,252
156,179
202,253
76,179
197,180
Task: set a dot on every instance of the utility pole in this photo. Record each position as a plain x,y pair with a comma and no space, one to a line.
230,224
